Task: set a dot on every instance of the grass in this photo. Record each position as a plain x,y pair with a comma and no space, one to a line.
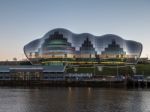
105,70
141,69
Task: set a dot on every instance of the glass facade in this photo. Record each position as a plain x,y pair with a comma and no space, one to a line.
61,46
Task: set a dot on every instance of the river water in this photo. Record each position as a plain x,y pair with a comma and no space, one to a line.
75,99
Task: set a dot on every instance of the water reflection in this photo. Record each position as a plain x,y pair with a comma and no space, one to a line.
73,100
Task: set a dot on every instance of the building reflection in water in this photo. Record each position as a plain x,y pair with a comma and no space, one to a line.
73,99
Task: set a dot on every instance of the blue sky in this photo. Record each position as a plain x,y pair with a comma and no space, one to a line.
22,21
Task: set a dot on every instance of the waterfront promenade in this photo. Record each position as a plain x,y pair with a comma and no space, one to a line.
76,83
29,75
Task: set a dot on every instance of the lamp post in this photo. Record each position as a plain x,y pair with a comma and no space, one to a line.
117,70
94,69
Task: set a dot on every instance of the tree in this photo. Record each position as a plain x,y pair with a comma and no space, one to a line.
14,59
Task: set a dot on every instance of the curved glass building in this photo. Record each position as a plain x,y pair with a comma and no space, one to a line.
63,46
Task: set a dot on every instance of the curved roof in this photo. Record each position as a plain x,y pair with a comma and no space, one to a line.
99,42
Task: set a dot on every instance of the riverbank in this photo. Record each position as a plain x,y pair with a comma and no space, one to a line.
88,83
